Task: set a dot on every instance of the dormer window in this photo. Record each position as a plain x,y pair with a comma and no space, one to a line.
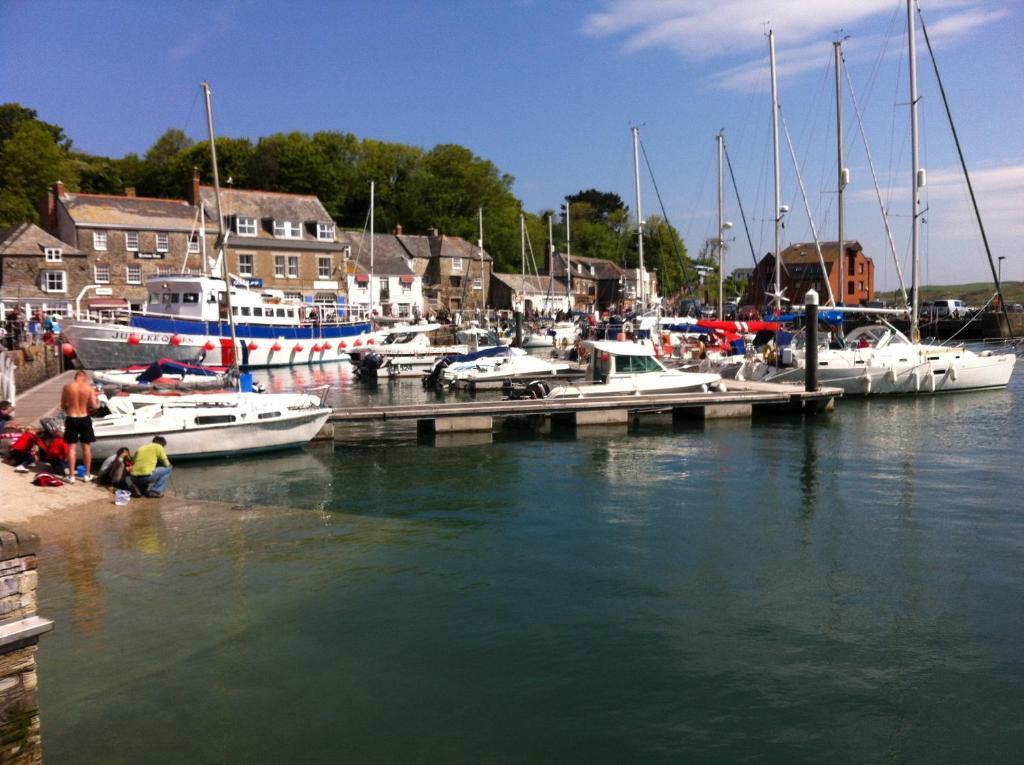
245,226
288,229
456,264
579,268
325,232
591,270
53,254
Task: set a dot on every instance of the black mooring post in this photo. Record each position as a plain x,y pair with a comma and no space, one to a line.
518,319
811,346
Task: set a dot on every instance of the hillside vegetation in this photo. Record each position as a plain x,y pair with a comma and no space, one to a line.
974,293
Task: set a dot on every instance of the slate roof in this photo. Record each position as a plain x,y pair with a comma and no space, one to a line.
390,257
807,253
104,210
416,246
28,240
266,204
603,269
537,285
455,247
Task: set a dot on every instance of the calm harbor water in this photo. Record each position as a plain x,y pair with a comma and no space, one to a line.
846,588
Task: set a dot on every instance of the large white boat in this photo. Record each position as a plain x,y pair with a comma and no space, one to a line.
620,368
186,318
209,425
878,359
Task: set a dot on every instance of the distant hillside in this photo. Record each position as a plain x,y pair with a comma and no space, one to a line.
974,294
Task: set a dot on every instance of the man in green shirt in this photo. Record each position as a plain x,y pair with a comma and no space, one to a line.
150,468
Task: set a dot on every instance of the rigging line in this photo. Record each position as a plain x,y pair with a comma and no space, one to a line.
874,179
675,246
743,217
963,165
807,207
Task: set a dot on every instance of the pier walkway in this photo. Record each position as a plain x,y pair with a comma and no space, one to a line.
41,400
741,399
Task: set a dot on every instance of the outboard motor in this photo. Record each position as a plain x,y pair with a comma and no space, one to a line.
369,364
535,389
433,378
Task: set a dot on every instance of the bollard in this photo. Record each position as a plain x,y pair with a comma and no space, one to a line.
811,345
518,318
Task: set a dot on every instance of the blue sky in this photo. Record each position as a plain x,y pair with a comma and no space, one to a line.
549,90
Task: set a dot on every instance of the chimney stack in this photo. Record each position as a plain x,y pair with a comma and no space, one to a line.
129,191
194,194
433,232
398,229
48,207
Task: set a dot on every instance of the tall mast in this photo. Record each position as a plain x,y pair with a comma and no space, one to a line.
720,140
551,259
916,182
639,214
778,187
843,173
522,252
568,258
223,235
480,247
372,190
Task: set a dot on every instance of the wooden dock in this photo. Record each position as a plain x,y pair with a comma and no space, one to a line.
741,399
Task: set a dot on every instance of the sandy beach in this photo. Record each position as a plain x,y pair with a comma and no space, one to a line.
26,504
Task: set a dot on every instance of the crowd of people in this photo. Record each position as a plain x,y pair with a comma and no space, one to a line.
52,448
18,330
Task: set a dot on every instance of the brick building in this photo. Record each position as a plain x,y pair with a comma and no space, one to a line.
801,271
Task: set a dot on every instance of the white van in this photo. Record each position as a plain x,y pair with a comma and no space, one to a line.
949,308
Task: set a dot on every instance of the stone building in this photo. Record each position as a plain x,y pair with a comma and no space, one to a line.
127,239
38,271
281,241
530,293
599,284
801,271
456,274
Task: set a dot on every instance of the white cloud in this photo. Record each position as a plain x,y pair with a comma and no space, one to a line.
699,29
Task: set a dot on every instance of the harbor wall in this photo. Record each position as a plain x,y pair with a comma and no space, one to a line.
20,627
35,364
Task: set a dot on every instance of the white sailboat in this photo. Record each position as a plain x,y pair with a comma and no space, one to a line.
878,359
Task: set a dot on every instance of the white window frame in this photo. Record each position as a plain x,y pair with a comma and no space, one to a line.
128,270
321,261
53,254
280,267
131,241
246,264
246,226
96,274
325,232
193,243
44,281
163,241
404,310
456,264
293,266
99,241
288,229
478,283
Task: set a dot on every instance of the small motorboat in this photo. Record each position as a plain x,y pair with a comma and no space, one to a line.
166,373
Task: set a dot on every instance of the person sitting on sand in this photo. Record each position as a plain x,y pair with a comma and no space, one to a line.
55,453
24,451
115,469
6,414
146,476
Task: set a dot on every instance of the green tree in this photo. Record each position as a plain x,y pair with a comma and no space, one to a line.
11,115
31,160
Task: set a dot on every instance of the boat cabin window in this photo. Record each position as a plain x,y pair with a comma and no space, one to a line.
234,310
154,298
291,313
190,297
269,415
257,311
636,364
214,419
280,313
171,298
246,311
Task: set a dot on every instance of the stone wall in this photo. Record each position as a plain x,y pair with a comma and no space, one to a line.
35,363
20,628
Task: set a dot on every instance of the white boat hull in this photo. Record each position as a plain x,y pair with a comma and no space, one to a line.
186,424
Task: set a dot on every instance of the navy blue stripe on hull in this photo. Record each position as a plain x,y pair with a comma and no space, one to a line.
255,331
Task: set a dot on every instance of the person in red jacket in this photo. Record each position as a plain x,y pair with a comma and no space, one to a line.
55,452
25,450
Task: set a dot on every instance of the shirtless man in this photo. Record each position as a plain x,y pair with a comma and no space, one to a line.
78,400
